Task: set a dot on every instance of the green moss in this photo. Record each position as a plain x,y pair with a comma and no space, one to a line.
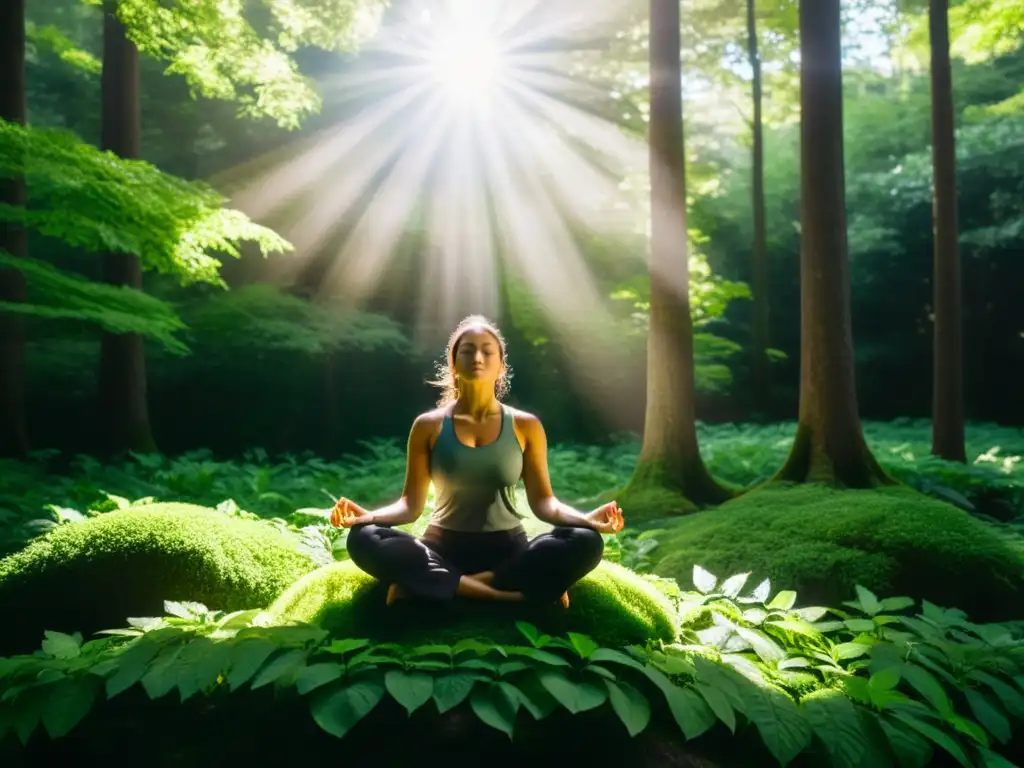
94,575
821,541
613,605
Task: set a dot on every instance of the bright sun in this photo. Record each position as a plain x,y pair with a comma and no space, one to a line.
464,58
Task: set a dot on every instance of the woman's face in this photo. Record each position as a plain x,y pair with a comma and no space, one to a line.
478,356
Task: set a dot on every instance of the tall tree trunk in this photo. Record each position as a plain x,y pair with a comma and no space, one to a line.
670,459
829,445
13,239
761,337
947,398
124,412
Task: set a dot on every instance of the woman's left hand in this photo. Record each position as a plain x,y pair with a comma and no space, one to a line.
606,519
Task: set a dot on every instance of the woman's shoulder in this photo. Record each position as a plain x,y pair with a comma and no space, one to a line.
524,420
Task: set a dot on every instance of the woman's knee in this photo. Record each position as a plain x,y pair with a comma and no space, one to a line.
589,543
361,538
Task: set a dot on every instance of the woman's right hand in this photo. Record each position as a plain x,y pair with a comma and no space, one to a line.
347,513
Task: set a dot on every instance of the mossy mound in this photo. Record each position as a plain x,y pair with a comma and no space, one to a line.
95,574
612,605
820,541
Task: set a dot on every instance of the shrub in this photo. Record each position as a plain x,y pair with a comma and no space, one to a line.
93,575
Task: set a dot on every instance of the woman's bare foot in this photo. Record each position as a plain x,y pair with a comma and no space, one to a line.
565,600
484,577
472,587
395,593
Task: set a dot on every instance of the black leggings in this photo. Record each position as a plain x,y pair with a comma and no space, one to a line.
541,568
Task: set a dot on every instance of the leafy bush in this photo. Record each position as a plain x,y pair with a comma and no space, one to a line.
822,541
92,575
611,604
867,685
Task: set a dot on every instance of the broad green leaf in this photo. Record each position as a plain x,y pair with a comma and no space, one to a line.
990,759
484,664
936,736
968,728
534,697
860,625
767,649
1010,697
719,704
575,695
410,689
131,667
782,601
62,646
693,716
247,657
846,651
835,721
430,650
280,666
897,603
811,613
925,683
495,707
66,704
545,657
868,602
338,710
885,679
286,635
597,669
910,748
795,626
312,677
759,595
731,587
630,705
162,676
703,580
204,667
783,729
584,645
345,645
529,631
450,690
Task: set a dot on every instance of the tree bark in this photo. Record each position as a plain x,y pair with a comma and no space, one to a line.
761,367
670,458
124,411
947,383
829,445
13,239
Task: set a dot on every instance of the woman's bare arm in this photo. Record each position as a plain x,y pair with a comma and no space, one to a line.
417,477
537,479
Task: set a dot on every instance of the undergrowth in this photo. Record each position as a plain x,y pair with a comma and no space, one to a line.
865,684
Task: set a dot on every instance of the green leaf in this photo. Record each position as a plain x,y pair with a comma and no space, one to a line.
410,689
584,645
693,716
575,695
630,705
205,662
868,602
936,736
534,697
131,667
719,703
782,601
162,675
767,649
910,748
897,603
312,677
283,664
846,651
925,683
529,631
860,625
703,580
783,729
990,759
1010,697
495,707
615,657
247,657
452,689
430,650
835,721
795,626
544,657
337,711
968,728
66,704
345,645
62,646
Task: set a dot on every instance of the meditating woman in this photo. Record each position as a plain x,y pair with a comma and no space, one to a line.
475,450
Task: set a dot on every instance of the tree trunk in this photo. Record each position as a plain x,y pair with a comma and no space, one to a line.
761,316
670,462
13,239
829,445
947,398
124,412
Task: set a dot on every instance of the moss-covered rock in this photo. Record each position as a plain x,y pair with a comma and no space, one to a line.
95,574
613,605
820,541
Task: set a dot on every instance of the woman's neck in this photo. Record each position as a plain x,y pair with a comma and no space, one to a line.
476,401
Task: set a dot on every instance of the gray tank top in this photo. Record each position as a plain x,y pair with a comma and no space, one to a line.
474,488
